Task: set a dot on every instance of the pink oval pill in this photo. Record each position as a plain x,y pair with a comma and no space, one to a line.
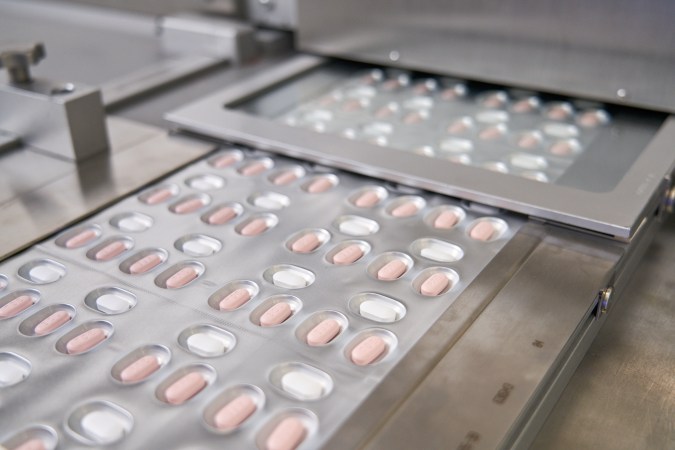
490,133
276,314
434,285
235,412
222,216
367,200
31,444
181,278
235,299
413,118
14,307
159,196
306,244
85,341
285,178
324,332
446,220
564,148
188,206
287,435
225,160
459,127
348,255
319,185
51,323
406,209
254,168
81,238
185,388
111,250
145,264
140,369
482,231
528,141
368,350
254,227
392,270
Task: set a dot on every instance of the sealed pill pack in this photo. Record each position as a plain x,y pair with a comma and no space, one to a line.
245,301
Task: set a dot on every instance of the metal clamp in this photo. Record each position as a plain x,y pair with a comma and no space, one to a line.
18,58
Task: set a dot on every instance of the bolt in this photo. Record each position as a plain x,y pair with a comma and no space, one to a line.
394,55
622,93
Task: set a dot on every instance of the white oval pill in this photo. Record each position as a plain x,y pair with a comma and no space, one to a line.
287,435
440,251
378,311
11,372
529,162
289,279
235,412
103,427
358,226
113,303
45,273
324,332
561,130
368,350
185,388
302,385
206,344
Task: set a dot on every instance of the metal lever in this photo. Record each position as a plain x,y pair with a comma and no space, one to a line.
17,60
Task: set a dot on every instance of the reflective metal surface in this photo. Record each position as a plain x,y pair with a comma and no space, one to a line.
616,51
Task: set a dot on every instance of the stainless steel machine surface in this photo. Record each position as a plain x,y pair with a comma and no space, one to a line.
140,258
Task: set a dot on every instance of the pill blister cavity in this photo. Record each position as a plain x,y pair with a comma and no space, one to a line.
16,302
33,437
159,194
42,271
492,116
140,364
198,245
110,300
180,275
370,347
131,222
592,118
275,310
487,229
85,337
456,145
558,110
233,408
437,250
190,204
321,328
226,158
406,206
47,320
207,341
301,381
445,217
347,252
269,200
3,282
255,167
99,423
287,276
528,162
144,261
368,197
320,184
257,224
110,249
560,130
79,236
435,281
287,430
233,295
222,213
286,175
185,383
13,369
206,182
390,266
308,240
